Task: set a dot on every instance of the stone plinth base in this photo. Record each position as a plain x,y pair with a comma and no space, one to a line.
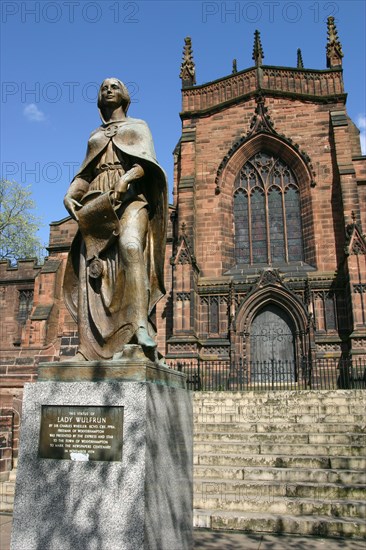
143,501
97,371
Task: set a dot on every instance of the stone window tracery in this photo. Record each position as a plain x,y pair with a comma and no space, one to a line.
214,315
267,214
25,305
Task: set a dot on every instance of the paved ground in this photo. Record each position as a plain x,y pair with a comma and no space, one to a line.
207,540
5,528
218,540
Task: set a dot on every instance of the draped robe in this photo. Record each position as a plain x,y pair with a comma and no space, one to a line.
114,271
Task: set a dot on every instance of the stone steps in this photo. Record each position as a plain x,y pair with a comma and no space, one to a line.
279,461
236,447
316,475
7,491
227,417
13,475
237,489
345,462
295,506
315,525
318,438
300,398
270,427
284,462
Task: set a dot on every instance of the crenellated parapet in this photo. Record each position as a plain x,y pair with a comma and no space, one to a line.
22,270
308,84
319,86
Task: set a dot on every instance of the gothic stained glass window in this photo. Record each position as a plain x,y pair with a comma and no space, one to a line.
241,226
267,214
330,312
276,228
214,315
259,242
25,305
293,222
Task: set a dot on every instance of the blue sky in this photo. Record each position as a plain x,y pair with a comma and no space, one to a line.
56,53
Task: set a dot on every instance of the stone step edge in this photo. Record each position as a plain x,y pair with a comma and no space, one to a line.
238,419
279,469
4,476
343,393
305,473
276,439
279,443
211,515
7,490
261,449
307,421
302,429
302,500
274,483
240,513
204,457
282,424
293,434
275,455
6,509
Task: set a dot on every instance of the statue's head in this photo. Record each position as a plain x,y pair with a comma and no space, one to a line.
113,93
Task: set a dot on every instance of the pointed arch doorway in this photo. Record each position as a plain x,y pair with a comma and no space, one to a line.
272,346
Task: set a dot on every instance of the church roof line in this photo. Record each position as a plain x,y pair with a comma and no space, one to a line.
264,67
262,74
187,113
325,85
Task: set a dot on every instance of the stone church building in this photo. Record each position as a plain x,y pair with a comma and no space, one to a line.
267,249
266,253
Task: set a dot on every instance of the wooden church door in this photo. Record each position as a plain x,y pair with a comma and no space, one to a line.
272,349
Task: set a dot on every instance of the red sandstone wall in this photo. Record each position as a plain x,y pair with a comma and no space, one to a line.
308,125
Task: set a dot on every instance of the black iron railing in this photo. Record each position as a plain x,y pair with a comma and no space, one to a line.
323,374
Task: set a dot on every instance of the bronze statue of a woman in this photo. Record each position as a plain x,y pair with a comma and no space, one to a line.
114,272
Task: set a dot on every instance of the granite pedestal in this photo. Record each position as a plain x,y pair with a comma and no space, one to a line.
141,501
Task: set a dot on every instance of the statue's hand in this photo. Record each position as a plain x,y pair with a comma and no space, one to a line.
71,205
122,186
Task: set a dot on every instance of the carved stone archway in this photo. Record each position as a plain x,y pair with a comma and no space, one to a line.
271,292
275,145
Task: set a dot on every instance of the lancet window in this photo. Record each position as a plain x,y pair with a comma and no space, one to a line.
25,305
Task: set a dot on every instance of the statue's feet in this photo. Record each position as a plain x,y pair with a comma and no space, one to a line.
143,338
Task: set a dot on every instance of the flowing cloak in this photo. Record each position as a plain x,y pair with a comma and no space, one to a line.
133,138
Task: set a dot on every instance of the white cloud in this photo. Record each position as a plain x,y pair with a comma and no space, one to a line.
361,123
32,113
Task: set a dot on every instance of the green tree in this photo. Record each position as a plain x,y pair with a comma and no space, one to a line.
18,225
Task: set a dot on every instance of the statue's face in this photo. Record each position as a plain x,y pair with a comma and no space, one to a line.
111,93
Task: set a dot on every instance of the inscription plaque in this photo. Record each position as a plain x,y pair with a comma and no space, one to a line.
81,433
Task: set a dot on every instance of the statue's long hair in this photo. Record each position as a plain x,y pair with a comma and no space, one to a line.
126,100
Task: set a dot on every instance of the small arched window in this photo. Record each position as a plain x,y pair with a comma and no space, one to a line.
267,214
